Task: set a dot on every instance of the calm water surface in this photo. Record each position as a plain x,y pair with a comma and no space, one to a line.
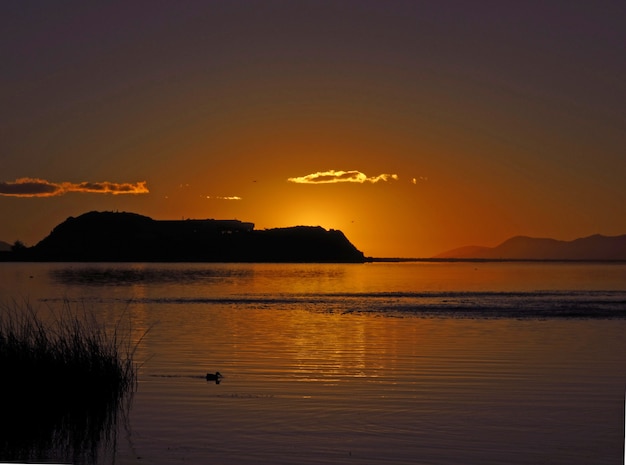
415,363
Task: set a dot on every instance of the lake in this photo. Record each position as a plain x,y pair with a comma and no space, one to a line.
399,363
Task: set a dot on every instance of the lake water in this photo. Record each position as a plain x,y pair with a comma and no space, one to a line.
403,363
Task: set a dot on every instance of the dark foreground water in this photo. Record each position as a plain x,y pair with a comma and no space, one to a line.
421,363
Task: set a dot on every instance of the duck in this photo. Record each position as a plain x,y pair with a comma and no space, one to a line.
214,376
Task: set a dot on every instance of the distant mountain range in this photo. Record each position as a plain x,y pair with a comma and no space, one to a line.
4,246
113,236
595,247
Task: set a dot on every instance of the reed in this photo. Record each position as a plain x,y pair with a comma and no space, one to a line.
66,377
70,354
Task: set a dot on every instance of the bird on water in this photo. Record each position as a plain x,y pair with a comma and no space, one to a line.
214,376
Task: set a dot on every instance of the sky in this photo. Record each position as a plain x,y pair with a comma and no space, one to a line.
414,127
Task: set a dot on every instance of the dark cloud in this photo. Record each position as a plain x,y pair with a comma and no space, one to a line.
34,187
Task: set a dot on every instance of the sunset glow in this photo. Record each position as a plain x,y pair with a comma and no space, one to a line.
413,127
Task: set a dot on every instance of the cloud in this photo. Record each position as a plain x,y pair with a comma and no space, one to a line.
34,187
332,176
220,197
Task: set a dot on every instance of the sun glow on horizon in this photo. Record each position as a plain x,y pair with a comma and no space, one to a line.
312,216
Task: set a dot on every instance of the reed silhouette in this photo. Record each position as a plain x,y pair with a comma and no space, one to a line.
68,382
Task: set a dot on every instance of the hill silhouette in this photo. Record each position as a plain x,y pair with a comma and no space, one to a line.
596,247
113,236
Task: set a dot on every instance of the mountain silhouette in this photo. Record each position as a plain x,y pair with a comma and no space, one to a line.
596,247
113,236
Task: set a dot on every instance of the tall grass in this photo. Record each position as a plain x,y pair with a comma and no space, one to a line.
66,378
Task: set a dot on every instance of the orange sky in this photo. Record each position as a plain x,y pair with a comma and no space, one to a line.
465,125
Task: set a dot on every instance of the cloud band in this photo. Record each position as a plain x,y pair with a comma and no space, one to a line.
34,187
332,176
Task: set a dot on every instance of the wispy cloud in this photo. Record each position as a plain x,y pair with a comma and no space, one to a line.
332,176
221,197
34,187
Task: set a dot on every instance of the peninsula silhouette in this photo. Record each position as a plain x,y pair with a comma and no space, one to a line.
123,236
